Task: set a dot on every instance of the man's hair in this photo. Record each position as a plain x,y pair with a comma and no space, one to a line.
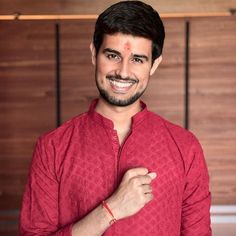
131,17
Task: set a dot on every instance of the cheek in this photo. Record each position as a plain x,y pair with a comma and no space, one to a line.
143,77
143,74
103,68
144,82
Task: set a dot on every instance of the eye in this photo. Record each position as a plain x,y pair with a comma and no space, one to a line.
138,60
112,56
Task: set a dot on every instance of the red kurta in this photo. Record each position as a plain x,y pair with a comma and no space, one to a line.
80,164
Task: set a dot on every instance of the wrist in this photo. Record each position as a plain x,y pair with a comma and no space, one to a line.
96,218
114,207
111,217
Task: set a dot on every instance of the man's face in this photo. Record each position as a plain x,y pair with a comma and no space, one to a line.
123,67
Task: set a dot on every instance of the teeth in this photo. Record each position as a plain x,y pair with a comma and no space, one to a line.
121,84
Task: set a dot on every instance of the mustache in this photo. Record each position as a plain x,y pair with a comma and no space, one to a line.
118,77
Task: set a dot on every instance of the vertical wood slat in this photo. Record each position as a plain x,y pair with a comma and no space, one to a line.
186,103
27,104
213,100
58,73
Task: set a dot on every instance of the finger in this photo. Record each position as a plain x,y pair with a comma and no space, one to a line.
146,188
148,197
135,172
153,175
145,179
141,179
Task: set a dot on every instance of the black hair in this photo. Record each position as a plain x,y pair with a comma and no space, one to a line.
131,17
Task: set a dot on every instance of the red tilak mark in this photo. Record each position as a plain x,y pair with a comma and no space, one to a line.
127,46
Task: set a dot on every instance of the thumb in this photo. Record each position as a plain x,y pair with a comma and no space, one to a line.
153,175
135,172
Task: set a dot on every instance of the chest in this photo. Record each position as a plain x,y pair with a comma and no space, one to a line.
97,164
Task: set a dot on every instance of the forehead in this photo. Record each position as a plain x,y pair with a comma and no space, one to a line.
127,43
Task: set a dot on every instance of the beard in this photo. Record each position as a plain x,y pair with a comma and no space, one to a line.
112,100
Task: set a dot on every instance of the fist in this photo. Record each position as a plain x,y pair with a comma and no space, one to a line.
133,193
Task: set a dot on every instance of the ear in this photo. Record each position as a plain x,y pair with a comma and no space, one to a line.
155,64
93,53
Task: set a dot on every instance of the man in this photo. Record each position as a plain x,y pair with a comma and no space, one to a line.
119,169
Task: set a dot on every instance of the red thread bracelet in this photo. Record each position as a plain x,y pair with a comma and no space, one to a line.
106,207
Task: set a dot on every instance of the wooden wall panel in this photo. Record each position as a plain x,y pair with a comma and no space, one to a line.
96,7
213,100
165,93
9,223
77,71
27,95
27,103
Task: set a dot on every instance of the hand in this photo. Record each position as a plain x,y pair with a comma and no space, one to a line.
132,194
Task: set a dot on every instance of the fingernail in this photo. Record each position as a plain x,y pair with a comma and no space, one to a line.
153,175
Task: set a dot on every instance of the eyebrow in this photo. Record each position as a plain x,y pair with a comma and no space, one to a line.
141,56
109,50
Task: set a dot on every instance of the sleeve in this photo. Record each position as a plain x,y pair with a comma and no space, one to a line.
39,214
197,198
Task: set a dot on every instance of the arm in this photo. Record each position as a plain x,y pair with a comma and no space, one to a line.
133,194
197,199
39,214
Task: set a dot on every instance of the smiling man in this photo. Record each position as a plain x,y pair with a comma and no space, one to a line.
119,169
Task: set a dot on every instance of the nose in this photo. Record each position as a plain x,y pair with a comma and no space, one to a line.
124,69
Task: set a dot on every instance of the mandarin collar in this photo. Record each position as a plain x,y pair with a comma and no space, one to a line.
105,122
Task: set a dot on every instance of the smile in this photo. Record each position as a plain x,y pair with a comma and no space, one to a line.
121,86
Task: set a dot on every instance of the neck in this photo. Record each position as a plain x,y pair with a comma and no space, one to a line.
121,116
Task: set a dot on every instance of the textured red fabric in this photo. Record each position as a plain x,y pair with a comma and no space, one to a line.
80,164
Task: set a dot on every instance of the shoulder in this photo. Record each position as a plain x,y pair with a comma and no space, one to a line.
180,141
182,137
65,130
51,147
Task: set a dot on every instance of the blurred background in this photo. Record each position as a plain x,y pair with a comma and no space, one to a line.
46,77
